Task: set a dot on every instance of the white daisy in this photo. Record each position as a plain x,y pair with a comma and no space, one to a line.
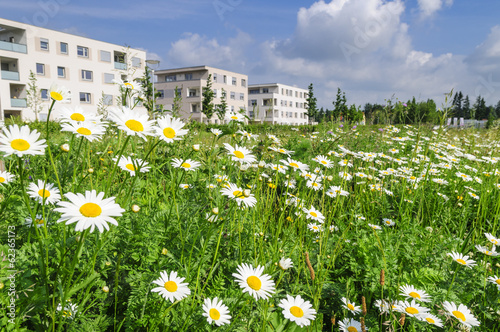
388,222
314,214
417,294
334,191
461,259
462,313
351,306
232,116
375,227
239,195
431,319
487,251
295,165
89,210
87,129
215,131
314,227
216,312
131,122
240,153
5,177
169,129
187,165
132,166
75,115
285,263
44,193
350,325
172,287
59,93
297,310
21,141
495,280
492,239
254,282
39,221
323,160
411,308
69,310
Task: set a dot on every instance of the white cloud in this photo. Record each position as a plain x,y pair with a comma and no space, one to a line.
363,47
195,49
429,7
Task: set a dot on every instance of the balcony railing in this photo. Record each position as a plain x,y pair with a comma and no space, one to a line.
120,66
7,46
10,75
17,102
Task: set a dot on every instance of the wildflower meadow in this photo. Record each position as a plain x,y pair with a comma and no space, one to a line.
132,222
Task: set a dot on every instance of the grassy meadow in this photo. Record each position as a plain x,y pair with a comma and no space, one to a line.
315,228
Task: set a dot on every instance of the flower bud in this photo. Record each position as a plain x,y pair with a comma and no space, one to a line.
136,208
91,170
262,164
246,192
164,251
196,147
65,147
105,289
215,210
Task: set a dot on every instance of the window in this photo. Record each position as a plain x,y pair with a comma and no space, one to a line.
265,90
178,92
85,97
234,80
194,108
82,51
136,62
243,82
300,95
296,94
192,92
253,102
232,108
295,114
297,104
253,91
215,77
44,44
215,93
170,78
64,48
108,78
107,100
161,94
40,69
225,79
61,72
188,77
233,95
86,75
105,56
44,94
242,96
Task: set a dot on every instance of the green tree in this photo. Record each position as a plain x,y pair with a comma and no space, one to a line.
177,105
311,102
221,108
466,108
147,99
340,107
480,110
34,96
207,105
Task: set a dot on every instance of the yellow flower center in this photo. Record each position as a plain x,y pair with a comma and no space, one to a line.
129,85
411,310
459,315
281,150
77,117
234,117
239,154
350,306
413,294
294,165
90,210
254,283
186,165
169,132
296,311
130,167
495,242
20,144
314,214
66,313
497,281
134,125
170,286
84,131
430,320
352,329
238,194
461,261
56,95
2,179
214,314
323,162
44,193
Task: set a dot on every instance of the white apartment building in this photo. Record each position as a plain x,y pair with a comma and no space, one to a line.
191,80
277,104
86,67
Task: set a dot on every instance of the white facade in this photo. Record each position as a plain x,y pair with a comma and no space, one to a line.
277,104
191,81
86,67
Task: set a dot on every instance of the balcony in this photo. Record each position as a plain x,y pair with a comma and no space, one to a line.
10,75
7,46
120,66
14,102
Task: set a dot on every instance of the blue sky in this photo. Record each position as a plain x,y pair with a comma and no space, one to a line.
372,49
